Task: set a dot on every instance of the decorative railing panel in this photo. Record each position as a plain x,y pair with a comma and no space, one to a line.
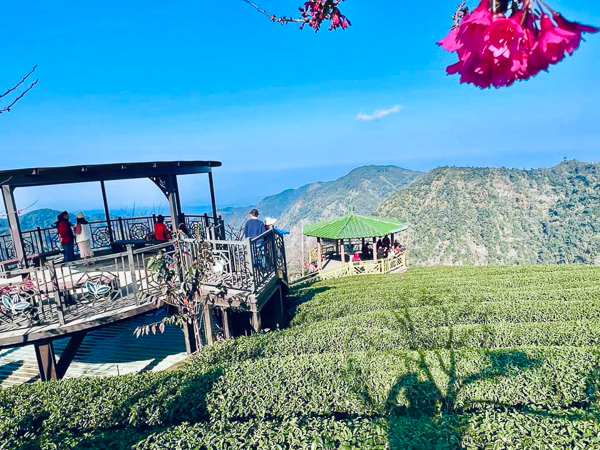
43,241
58,294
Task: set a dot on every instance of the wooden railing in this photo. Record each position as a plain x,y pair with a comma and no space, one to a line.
381,266
59,294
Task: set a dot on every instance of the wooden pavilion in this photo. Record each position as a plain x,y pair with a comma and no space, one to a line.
55,300
163,174
352,229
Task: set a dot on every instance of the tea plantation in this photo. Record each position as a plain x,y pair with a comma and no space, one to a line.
437,358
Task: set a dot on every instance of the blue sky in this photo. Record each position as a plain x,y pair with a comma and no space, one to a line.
131,81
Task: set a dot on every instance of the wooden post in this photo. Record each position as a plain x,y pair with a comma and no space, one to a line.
58,299
177,196
208,326
107,213
191,346
342,252
375,249
213,200
131,260
255,321
172,197
46,360
68,354
14,224
319,254
121,228
226,323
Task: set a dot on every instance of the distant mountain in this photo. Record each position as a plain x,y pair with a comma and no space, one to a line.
363,188
502,216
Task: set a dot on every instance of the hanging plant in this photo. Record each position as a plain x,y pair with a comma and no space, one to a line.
502,41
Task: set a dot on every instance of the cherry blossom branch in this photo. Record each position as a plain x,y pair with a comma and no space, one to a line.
15,87
282,20
313,13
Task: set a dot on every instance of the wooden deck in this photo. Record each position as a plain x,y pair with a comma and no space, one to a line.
44,304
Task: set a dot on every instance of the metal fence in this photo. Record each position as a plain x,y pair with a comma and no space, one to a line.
46,241
58,294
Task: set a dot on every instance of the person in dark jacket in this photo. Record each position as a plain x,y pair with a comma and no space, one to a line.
254,226
66,237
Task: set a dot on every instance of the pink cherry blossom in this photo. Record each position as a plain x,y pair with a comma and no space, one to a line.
496,50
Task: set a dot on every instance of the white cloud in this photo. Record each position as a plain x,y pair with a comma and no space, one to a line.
379,114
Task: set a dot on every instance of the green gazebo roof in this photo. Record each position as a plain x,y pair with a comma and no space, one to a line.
354,227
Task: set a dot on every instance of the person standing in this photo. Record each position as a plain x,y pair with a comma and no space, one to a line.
161,232
65,234
83,236
254,226
270,223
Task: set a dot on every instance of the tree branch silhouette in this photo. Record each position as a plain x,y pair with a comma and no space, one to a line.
8,107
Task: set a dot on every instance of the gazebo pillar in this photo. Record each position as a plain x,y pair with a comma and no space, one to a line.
8,194
319,254
342,251
375,248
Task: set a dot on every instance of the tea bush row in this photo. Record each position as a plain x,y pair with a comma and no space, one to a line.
362,294
348,339
365,384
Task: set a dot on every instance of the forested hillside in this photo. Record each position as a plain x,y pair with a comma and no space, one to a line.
502,216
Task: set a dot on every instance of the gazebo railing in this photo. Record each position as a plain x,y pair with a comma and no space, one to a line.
45,240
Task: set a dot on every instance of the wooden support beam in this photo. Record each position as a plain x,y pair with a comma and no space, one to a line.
46,360
191,346
68,354
173,198
282,317
255,321
14,225
343,252
208,326
213,199
49,367
226,323
111,235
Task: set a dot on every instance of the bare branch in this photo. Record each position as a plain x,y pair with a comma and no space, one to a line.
7,108
283,20
20,82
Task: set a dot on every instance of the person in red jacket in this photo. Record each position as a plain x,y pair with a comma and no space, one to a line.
65,234
161,232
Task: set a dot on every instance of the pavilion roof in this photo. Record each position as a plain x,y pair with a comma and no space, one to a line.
43,176
354,227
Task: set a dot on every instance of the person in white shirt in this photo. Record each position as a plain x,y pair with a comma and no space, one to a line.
83,235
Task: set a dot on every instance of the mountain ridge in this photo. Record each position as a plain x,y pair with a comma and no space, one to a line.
475,215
